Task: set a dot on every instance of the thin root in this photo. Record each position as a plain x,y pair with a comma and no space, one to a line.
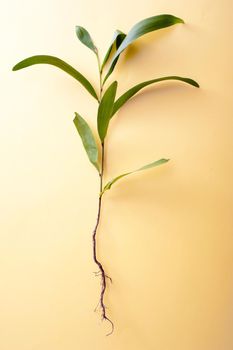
96,308
112,325
99,273
108,278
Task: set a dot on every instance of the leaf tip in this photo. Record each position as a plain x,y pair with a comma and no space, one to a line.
180,20
76,117
78,29
173,19
115,83
15,68
195,83
192,82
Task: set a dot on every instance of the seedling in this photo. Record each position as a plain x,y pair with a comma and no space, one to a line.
108,106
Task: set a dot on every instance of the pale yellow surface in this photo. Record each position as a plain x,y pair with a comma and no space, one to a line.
166,235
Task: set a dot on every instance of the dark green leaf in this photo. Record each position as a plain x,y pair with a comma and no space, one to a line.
148,166
131,92
117,39
105,110
88,140
85,38
57,62
143,27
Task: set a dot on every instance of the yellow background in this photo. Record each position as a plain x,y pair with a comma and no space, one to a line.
166,234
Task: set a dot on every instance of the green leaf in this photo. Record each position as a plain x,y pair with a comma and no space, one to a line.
85,38
105,110
148,166
57,62
131,92
117,39
143,27
88,140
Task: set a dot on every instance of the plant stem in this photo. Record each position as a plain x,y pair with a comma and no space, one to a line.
100,75
98,263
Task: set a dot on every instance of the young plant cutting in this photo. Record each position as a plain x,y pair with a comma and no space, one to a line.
108,106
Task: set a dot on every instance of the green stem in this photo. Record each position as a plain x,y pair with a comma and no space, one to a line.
100,75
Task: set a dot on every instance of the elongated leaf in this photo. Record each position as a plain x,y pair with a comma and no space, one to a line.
143,27
88,140
57,62
85,38
105,110
148,166
131,92
117,39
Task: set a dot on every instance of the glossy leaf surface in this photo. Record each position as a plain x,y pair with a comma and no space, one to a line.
57,62
117,39
85,38
148,166
88,140
105,110
131,92
141,28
